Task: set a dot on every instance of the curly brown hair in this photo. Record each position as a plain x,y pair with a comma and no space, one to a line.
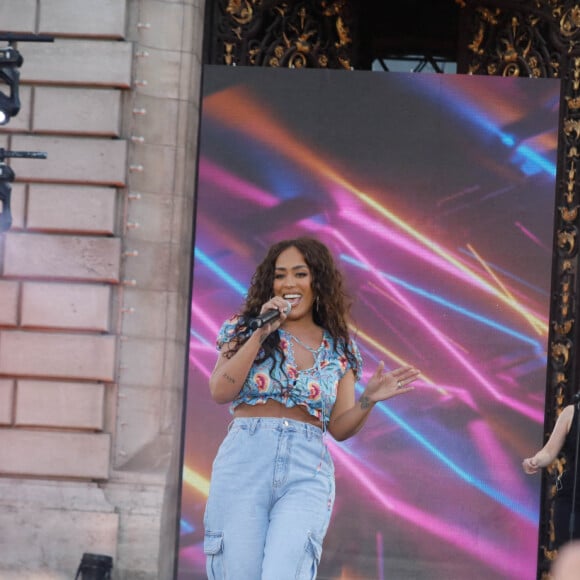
332,304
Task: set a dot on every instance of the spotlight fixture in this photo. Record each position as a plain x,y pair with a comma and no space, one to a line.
10,61
6,178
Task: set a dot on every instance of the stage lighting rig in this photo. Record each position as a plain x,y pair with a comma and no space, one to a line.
10,61
6,178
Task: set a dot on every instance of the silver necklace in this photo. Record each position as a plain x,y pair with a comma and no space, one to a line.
314,351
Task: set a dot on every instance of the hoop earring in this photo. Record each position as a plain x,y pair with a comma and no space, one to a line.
317,305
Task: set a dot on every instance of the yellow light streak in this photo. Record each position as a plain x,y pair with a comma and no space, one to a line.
195,480
538,325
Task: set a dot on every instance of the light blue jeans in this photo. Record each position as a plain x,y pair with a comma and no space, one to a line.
270,500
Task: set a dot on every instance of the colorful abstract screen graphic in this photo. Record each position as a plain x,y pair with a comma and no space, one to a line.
436,195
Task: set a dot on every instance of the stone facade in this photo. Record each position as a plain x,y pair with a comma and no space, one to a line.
94,285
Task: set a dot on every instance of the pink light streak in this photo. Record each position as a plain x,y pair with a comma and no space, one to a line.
286,143
531,236
429,251
538,325
439,336
499,465
275,135
407,245
205,371
234,185
198,314
491,555
425,323
194,555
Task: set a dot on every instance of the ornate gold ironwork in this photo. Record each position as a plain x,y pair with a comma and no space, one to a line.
560,352
282,33
567,240
569,214
563,328
511,45
541,38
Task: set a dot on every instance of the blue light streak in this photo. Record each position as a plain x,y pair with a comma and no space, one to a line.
533,162
199,337
451,306
507,273
488,490
185,527
530,161
220,272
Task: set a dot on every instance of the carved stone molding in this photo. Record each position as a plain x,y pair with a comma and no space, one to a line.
541,38
275,33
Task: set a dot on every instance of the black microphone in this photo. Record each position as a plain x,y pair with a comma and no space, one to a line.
267,317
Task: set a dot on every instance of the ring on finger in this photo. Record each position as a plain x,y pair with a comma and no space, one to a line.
399,385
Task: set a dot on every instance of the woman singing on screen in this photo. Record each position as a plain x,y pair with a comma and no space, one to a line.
288,382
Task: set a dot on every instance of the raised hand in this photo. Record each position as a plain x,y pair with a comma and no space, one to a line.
384,385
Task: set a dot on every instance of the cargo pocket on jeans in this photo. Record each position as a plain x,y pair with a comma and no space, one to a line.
213,547
309,565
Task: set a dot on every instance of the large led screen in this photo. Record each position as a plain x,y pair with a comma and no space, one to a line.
436,195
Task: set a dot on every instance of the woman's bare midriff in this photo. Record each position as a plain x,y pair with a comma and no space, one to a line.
272,408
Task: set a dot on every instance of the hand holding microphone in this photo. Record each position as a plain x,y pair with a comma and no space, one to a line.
270,315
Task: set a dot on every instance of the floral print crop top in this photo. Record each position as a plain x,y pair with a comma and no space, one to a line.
314,388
